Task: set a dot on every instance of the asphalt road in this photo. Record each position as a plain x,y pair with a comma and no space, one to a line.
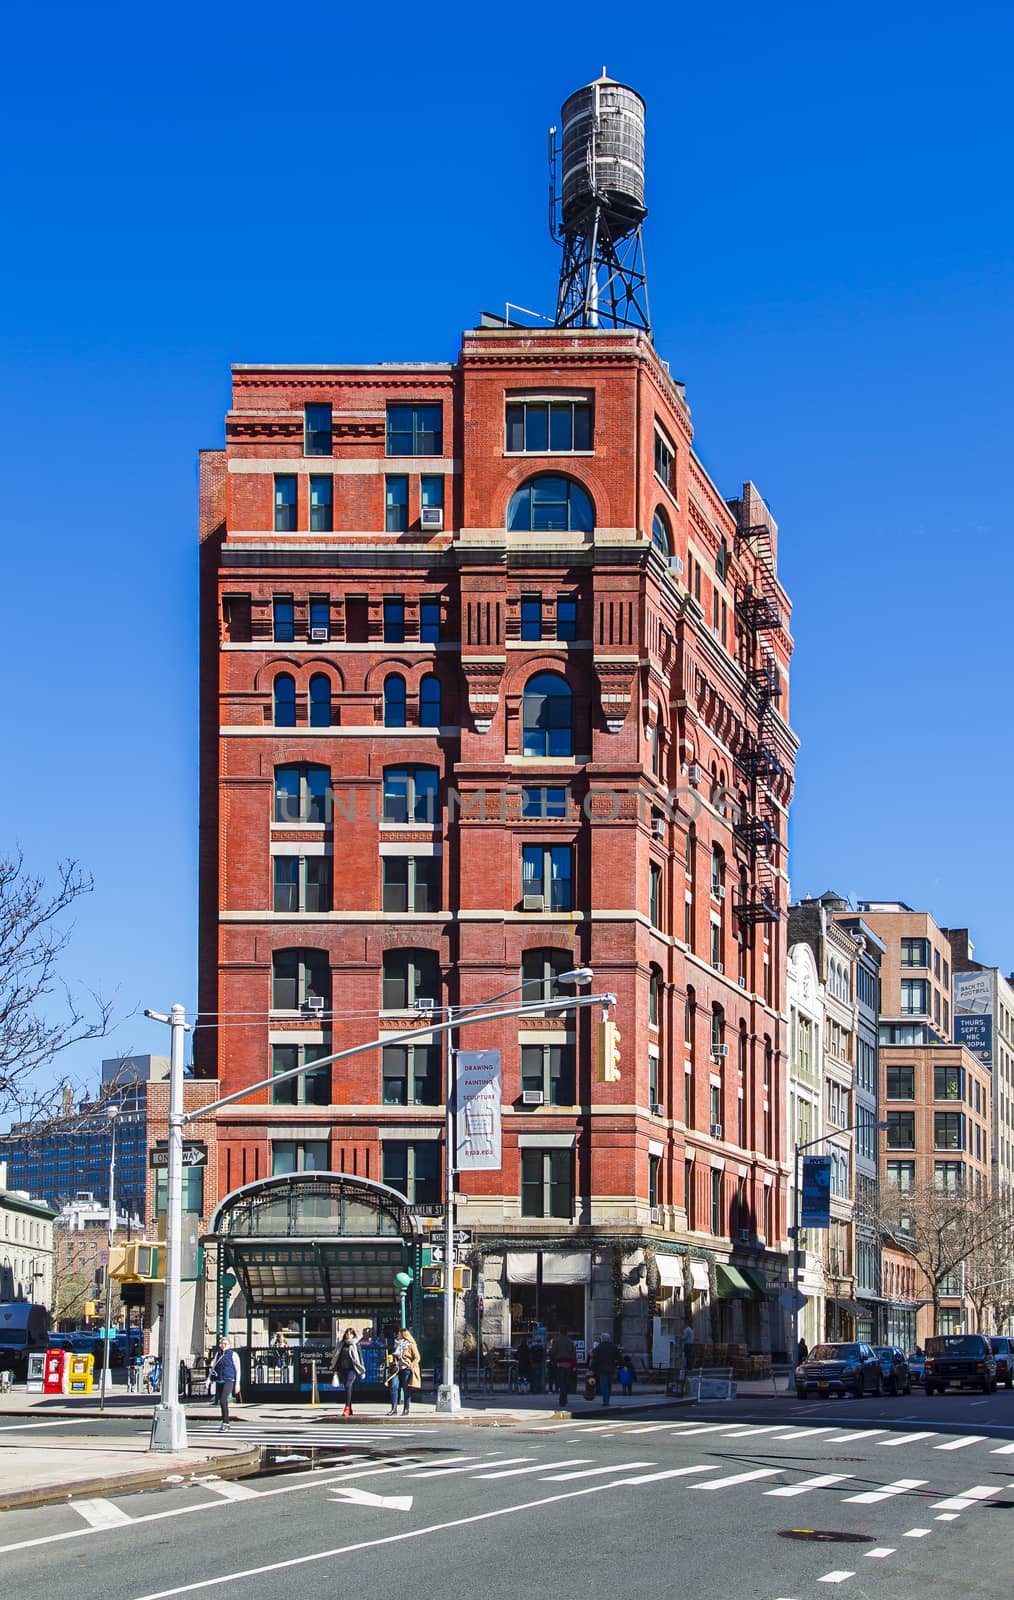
694,1501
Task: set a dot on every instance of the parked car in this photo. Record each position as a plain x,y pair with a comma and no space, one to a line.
894,1366
917,1365
964,1360
840,1369
1003,1349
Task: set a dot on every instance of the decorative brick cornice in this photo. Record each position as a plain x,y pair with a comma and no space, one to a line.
616,683
484,680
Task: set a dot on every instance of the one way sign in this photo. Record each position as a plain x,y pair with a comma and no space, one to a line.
195,1154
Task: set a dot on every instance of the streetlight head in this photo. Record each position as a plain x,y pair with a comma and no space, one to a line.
112,1111
576,975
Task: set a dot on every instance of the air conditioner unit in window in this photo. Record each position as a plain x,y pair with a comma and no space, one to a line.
716,1130
694,773
431,517
676,565
319,635
656,1213
658,1109
313,1002
742,983
720,1050
424,1003
658,827
719,891
534,902
532,1097
718,966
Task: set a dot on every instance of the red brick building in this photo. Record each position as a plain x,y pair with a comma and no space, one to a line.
494,684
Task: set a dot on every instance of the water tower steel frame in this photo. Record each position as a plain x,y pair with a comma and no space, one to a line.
596,212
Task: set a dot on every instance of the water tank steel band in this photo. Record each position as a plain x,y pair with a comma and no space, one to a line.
614,114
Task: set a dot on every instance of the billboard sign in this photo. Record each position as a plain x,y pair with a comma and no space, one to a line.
973,1013
815,1211
478,1111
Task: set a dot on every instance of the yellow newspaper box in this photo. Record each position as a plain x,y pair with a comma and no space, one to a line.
80,1374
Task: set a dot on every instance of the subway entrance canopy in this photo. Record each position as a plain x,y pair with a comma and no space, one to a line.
321,1240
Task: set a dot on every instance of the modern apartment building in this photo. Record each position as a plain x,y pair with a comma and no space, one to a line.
494,686
982,1003
915,1000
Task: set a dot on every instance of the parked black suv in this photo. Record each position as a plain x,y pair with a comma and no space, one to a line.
840,1369
965,1360
1003,1349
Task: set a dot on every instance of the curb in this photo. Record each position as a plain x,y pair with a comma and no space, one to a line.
237,1464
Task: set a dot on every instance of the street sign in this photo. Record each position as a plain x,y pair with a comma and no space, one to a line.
462,1236
791,1301
438,1255
195,1154
426,1212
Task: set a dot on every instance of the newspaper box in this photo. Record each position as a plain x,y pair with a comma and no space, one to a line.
80,1373
36,1371
55,1372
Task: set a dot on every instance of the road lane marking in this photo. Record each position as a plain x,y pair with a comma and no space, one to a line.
835,1577
534,1466
880,1552
846,1438
1004,1450
967,1497
595,1472
962,1443
749,1433
64,1422
99,1513
648,1427
439,1470
824,1481
351,1496
917,1533
656,1477
872,1496
803,1433
229,1488
905,1438
947,1516
739,1477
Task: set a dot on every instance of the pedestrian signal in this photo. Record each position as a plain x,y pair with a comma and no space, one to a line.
607,1052
462,1280
432,1280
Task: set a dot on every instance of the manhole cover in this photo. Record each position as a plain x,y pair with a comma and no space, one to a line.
825,1536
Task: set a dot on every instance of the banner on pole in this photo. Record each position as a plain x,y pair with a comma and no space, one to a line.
816,1206
478,1115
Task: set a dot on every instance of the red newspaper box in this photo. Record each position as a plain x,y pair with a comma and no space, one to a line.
53,1376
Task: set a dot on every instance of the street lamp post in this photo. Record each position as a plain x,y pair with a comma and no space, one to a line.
112,1112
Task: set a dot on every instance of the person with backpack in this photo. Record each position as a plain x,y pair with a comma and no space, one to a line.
603,1364
563,1355
225,1374
348,1365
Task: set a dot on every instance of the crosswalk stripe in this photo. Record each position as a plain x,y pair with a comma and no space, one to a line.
863,1433
229,1489
648,1427
836,1577
880,1552
100,1513
706,1427
592,1472
905,1438
962,1443
430,1467
872,1496
1004,1450
656,1477
803,1433
749,1433
474,1463
739,1477
538,1466
789,1490
967,1497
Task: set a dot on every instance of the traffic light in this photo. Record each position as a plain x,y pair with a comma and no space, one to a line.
432,1280
137,1260
607,1052
462,1280
91,1309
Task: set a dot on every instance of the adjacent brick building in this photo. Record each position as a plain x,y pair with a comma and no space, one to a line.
494,684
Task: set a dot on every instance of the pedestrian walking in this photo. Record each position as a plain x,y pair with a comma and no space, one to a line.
802,1352
688,1344
524,1367
537,1353
404,1371
348,1365
603,1363
225,1373
563,1355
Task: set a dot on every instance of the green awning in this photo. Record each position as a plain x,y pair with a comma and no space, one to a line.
762,1289
731,1285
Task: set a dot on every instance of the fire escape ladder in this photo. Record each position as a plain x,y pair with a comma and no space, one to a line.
758,609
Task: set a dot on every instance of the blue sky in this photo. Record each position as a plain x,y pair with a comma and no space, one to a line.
829,252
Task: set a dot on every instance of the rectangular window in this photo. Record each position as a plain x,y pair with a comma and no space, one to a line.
411,883
321,505
901,1176
548,427
320,617
412,1169
948,1130
394,620
415,431
550,1069
936,963
654,894
313,1088
302,883
283,620
298,1155
431,492
901,1130
396,504
302,794
547,871
716,1201
948,1176
914,997
429,621
543,802
716,944
531,616
936,1006
317,430
654,1168
285,503
547,1183
566,617
193,1191
901,1083
915,953
715,1106
665,459
411,1075
653,1099
410,794
947,1084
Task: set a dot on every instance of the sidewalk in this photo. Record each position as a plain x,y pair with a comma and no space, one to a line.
47,1472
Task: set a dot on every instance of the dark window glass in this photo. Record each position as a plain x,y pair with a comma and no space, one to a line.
664,459
947,1083
396,515
414,431
543,802
394,620
297,975
411,1075
302,794
531,616
410,975
285,503
539,972
660,536
431,491
285,701
559,426
548,505
901,1083
948,1130
317,430
320,617
550,1069
357,619
546,870
410,794
283,620
547,1183
566,618
429,621
321,505
317,893
547,716
901,1130
320,701
429,701
411,883
394,871
286,896
394,701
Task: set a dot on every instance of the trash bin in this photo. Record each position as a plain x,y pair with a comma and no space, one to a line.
81,1373
55,1372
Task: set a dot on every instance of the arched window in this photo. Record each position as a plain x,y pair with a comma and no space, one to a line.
548,504
285,701
394,701
660,536
299,979
410,976
540,969
429,701
547,716
410,794
717,870
320,701
303,794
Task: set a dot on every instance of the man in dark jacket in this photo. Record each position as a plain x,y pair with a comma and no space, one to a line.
603,1364
563,1355
225,1374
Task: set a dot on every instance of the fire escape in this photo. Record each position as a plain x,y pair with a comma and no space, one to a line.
760,619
